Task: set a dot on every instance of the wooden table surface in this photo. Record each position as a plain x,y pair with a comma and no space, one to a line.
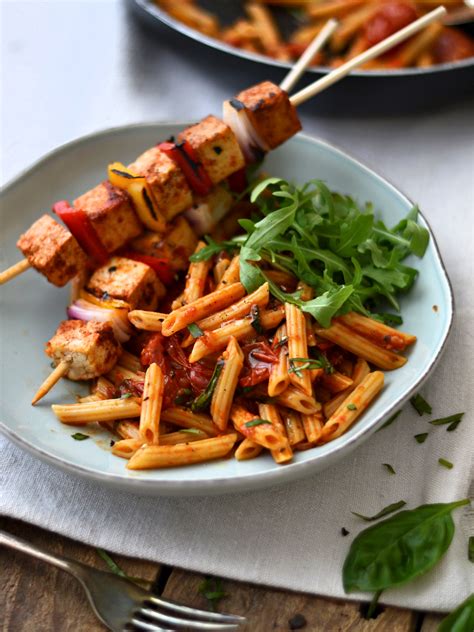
36,597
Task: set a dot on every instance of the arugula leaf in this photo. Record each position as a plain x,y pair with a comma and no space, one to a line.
204,399
388,319
399,548
461,619
78,436
262,186
212,248
271,226
195,330
256,422
420,405
421,438
324,307
383,512
452,420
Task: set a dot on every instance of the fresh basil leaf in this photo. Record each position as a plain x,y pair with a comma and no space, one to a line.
78,436
383,512
195,330
256,422
399,548
445,463
390,420
204,399
324,307
421,438
420,405
452,420
389,468
461,619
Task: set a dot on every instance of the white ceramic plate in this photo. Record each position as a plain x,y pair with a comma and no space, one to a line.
31,309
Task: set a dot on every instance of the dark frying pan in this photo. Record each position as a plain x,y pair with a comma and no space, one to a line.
376,91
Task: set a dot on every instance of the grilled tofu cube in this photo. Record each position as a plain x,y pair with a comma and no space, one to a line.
91,347
209,209
52,250
111,215
176,245
216,147
130,281
167,182
270,112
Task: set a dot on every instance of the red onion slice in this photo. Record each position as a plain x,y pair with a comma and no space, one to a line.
118,318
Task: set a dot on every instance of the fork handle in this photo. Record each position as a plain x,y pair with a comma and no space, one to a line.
11,541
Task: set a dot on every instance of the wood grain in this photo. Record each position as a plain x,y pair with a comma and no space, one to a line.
36,597
270,610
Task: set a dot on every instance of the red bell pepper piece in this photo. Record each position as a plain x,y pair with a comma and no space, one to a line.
160,265
238,181
80,226
186,159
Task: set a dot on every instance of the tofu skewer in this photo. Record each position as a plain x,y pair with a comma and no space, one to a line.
259,119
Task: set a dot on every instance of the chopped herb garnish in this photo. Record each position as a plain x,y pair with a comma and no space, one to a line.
112,443
388,319
257,422
105,296
213,248
389,468
445,463
390,420
114,567
184,397
452,422
372,609
281,342
78,436
211,588
191,431
126,395
297,365
255,319
195,330
204,399
420,405
421,438
351,407
470,549
344,531
383,512
112,268
217,149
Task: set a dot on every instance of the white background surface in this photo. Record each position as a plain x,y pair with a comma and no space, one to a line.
69,68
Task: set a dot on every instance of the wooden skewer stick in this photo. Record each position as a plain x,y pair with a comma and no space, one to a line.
321,84
13,271
59,372
307,57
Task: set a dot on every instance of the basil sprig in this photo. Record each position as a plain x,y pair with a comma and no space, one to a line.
461,619
204,399
399,548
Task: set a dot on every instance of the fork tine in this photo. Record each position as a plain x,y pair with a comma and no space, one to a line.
189,624
149,627
195,612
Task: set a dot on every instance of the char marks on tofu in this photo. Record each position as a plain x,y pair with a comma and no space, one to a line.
130,281
166,180
216,147
111,214
270,112
52,250
90,347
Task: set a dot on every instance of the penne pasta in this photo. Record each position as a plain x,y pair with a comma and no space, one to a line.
158,456
297,400
279,379
246,450
130,362
217,339
219,270
119,373
265,26
333,8
313,426
335,382
186,419
148,321
270,412
201,308
128,429
351,24
152,402
293,426
297,347
89,412
377,332
411,51
352,407
232,274
360,346
196,278
265,434
226,384
103,387
361,370
126,448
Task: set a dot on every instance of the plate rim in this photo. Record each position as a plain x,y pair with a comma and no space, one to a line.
154,11
222,485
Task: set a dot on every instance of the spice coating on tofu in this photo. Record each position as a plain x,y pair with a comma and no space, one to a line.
127,280
52,250
111,214
176,245
216,147
90,347
271,113
167,182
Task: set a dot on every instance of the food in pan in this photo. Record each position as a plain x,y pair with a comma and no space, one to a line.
363,23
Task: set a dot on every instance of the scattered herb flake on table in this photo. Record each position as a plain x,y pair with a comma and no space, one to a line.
445,463
389,468
452,421
78,436
383,512
421,438
390,421
420,405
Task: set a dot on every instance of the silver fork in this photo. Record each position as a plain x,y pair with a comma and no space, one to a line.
123,605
